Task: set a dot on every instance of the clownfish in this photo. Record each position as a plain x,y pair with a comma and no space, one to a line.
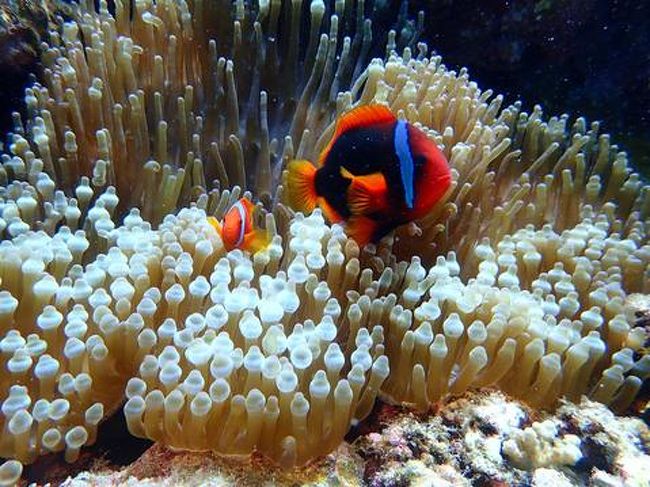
375,174
237,231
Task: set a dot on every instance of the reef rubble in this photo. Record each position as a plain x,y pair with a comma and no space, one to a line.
464,443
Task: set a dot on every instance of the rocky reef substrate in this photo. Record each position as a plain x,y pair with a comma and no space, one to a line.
479,438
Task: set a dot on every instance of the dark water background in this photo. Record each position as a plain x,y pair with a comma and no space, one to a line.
579,57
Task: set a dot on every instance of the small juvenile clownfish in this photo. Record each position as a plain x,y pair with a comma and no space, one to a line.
376,173
238,230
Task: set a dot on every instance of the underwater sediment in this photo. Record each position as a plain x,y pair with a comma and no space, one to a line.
118,297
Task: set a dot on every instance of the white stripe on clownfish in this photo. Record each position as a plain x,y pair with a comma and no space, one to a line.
242,229
403,152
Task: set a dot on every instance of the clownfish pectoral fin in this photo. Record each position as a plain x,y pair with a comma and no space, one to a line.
367,193
255,241
361,116
362,229
301,185
216,225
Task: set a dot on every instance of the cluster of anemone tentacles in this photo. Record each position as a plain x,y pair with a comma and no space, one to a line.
114,287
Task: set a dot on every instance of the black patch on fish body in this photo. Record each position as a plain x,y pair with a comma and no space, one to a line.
334,188
363,151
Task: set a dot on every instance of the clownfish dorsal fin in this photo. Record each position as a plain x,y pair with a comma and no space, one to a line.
358,117
363,116
366,193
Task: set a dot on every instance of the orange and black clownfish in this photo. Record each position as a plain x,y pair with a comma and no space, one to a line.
238,230
376,173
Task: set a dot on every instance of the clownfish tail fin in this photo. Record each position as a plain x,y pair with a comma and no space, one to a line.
216,225
301,185
256,240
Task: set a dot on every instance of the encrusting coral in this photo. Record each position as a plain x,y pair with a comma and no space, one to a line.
114,285
485,436
539,445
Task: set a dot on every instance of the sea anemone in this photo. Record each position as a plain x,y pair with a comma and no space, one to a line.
149,118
